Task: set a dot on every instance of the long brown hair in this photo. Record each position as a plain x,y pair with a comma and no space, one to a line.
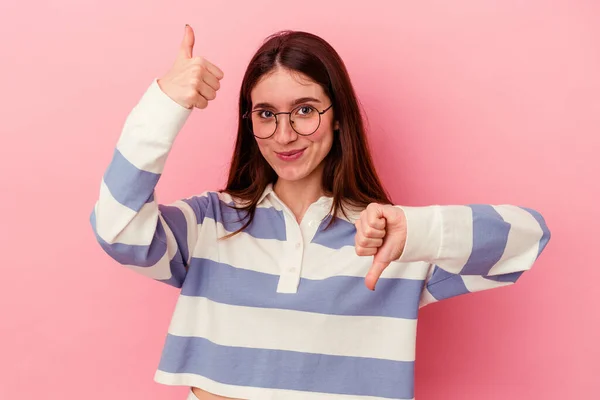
349,174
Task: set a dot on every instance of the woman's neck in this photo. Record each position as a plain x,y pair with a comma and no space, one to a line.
299,195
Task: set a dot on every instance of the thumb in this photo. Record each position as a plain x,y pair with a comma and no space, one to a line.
376,270
187,44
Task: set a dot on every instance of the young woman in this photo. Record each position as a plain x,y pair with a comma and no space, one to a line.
300,280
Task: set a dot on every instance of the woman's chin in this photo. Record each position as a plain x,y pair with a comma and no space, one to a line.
291,173
290,177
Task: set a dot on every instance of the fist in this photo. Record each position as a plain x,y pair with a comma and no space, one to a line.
191,81
380,232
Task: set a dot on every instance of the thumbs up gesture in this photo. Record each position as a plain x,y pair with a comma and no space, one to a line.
380,232
191,81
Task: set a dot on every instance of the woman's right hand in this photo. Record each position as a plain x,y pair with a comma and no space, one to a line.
192,81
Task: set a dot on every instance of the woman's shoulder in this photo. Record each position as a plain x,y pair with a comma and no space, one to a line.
215,199
211,196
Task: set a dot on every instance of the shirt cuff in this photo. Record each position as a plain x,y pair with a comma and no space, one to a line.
162,117
424,229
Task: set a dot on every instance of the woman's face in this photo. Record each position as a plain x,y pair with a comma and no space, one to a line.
292,156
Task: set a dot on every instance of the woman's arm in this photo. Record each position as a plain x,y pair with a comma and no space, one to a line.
153,239
484,240
473,248
495,242
129,223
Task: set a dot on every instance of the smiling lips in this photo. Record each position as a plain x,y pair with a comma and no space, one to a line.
290,155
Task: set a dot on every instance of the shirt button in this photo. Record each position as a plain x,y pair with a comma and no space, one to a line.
298,245
292,269
311,223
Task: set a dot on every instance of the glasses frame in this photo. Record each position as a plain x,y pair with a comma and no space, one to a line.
247,117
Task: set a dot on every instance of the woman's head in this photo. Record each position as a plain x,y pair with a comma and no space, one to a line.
295,144
295,69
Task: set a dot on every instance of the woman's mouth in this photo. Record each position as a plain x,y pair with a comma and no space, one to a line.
290,155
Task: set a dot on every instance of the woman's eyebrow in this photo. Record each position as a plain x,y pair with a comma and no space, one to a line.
295,102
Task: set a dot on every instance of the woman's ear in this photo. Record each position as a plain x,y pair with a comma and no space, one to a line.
336,125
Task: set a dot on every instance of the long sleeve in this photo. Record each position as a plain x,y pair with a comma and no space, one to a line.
472,247
132,228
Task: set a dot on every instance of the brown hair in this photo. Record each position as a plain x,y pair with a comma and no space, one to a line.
349,174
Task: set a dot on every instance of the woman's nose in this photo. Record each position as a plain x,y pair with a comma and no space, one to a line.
284,133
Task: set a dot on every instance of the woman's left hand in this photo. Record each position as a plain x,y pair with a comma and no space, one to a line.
380,232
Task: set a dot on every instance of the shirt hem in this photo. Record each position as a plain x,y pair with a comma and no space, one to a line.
249,392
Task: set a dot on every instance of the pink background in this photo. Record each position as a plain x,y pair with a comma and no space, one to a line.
468,101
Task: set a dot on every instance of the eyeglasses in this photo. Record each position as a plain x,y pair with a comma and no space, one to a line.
304,120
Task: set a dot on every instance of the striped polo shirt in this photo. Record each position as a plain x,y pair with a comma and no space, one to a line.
281,310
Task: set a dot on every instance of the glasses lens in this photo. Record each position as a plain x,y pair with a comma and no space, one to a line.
305,120
263,123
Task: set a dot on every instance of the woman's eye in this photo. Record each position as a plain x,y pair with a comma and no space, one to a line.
266,114
304,110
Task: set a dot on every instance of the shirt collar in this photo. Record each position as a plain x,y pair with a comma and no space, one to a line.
323,200
265,192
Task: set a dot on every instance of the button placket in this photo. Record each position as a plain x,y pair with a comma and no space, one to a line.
298,236
291,259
